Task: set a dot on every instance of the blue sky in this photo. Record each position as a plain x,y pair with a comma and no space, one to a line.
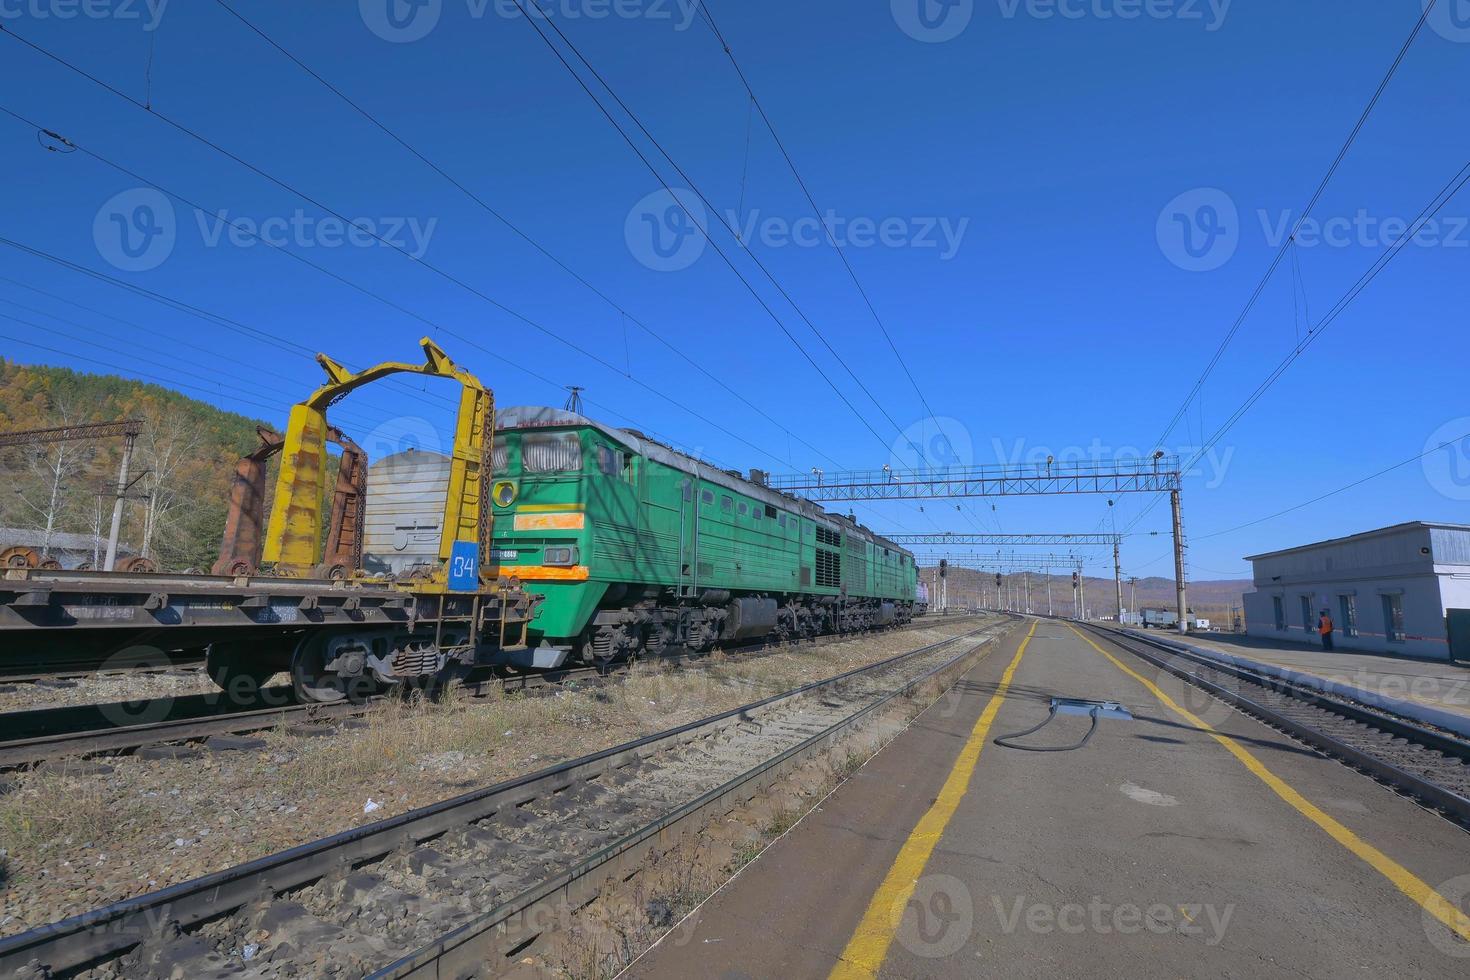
1014,200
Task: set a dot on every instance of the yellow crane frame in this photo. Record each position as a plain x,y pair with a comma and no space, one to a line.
293,535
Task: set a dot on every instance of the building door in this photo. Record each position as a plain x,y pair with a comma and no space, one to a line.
1458,622
1280,611
1309,623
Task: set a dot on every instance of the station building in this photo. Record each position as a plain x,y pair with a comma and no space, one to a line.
1403,589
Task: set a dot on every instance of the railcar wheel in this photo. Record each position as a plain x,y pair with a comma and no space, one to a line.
331,667
238,670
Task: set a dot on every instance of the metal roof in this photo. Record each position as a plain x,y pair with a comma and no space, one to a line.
1361,536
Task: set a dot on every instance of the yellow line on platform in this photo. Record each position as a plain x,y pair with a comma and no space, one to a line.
1401,877
868,947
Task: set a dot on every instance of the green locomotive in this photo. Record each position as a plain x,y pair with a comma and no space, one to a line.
637,548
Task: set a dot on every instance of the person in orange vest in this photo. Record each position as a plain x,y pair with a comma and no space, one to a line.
1324,627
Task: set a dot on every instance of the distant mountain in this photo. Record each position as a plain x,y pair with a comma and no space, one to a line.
1211,599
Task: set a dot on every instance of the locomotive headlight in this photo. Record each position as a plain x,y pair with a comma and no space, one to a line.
504,493
561,556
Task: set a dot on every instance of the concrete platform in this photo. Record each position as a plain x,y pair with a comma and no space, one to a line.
1436,684
1191,841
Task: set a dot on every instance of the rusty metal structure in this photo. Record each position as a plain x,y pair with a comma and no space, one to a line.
240,550
291,597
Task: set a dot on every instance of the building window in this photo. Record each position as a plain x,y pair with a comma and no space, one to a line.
1280,610
1393,618
1308,623
1347,608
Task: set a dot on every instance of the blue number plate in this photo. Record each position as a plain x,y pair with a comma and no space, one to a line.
464,567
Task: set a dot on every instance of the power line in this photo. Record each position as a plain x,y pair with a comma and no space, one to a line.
533,22
362,289
708,17
511,226
1441,199
221,320
472,290
1291,239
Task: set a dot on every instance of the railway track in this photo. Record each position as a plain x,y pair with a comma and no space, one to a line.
459,887
35,736
181,666
1429,765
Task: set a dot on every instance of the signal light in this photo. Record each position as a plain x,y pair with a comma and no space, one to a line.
943,568
1075,580
997,578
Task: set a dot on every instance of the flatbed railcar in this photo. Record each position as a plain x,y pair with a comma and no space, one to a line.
637,547
292,595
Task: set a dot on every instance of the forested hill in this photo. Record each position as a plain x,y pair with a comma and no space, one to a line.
186,455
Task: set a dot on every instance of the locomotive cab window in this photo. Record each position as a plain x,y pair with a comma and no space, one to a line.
551,453
708,496
743,509
727,504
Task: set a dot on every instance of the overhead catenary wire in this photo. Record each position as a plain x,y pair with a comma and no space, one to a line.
707,16
245,329
1446,194
1306,213
449,277
534,22
520,232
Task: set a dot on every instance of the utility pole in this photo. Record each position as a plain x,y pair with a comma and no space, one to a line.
129,438
1179,561
1133,595
1026,576
1048,591
1118,579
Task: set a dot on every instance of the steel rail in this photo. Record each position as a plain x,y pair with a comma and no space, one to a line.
1417,736
97,936
202,716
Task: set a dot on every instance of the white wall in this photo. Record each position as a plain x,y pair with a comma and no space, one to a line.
1424,629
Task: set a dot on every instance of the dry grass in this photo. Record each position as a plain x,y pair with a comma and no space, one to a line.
161,822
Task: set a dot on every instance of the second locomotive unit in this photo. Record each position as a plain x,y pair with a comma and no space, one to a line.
637,547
